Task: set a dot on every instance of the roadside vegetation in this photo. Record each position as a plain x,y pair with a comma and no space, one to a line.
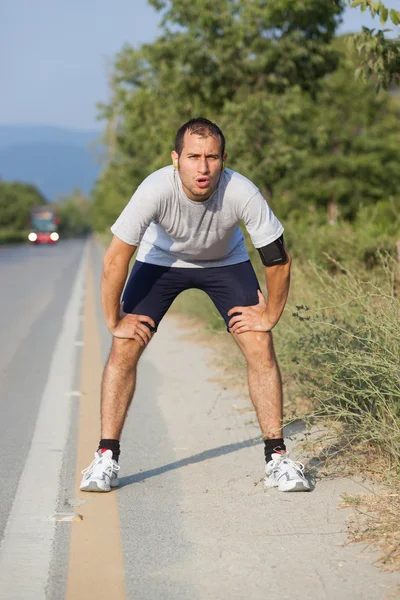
377,522
17,199
74,212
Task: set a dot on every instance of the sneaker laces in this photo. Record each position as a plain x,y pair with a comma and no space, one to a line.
285,458
296,464
107,461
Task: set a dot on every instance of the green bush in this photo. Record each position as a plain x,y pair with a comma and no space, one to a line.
12,237
74,214
16,202
354,246
344,348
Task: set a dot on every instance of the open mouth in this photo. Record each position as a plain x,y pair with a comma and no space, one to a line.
203,182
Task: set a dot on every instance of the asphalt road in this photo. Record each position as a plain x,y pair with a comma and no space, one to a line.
35,283
190,519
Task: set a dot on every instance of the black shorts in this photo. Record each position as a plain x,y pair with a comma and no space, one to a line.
151,289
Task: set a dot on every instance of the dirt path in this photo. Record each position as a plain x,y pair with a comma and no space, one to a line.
235,540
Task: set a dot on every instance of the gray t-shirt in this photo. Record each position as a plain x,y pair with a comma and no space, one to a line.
173,231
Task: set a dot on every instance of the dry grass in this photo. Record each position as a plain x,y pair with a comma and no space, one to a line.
335,453
376,521
376,516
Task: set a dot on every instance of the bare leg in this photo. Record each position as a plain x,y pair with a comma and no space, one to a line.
265,384
118,386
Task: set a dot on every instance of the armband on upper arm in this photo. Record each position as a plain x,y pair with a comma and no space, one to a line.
274,253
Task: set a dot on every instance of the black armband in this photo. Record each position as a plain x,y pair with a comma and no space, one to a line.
274,253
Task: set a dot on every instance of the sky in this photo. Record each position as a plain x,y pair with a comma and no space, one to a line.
55,55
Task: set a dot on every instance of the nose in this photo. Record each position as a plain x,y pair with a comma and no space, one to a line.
203,165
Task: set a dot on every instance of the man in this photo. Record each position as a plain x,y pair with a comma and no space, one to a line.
184,219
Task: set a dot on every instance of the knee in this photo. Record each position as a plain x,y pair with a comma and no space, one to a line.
260,351
125,353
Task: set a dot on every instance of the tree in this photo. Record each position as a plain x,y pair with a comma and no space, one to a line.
220,59
380,56
74,213
350,147
297,122
16,201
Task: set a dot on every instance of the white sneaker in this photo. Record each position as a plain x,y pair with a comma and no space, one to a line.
285,474
102,474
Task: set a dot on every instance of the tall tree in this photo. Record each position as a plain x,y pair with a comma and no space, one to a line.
74,214
349,154
221,59
379,54
16,201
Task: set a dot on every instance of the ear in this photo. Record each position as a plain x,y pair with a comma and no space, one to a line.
225,156
175,157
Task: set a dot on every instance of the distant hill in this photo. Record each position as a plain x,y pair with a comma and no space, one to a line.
54,159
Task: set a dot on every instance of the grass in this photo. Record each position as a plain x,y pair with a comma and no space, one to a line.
198,305
347,356
376,522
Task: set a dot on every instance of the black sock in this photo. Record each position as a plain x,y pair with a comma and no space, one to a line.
272,446
112,445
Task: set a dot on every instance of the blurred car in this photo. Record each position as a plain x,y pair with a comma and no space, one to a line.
43,225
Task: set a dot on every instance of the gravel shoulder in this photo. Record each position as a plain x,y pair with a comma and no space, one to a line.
195,518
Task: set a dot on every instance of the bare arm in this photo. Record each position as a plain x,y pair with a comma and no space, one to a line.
264,315
278,283
115,271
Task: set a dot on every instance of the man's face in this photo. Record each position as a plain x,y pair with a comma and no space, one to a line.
200,165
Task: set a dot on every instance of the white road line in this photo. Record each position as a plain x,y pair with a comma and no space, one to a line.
26,550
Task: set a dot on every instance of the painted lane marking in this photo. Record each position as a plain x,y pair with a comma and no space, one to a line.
96,562
26,550
74,394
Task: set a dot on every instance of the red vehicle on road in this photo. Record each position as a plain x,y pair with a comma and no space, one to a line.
43,225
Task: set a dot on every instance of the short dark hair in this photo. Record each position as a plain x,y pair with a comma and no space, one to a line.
203,128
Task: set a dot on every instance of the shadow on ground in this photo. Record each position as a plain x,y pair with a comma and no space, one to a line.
190,460
293,429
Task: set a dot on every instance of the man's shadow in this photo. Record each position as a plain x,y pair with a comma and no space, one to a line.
190,460
202,456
